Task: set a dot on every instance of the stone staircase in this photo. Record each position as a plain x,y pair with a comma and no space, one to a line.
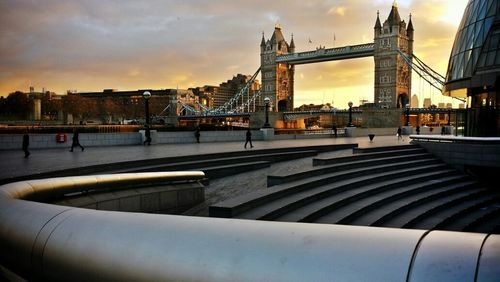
214,165
396,186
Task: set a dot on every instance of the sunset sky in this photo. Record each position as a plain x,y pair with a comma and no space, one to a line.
90,45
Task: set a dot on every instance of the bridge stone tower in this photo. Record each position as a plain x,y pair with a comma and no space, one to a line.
392,74
277,78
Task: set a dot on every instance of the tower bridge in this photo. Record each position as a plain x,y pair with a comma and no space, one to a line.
392,85
394,62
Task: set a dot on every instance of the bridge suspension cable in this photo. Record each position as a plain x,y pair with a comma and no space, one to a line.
188,108
232,103
432,77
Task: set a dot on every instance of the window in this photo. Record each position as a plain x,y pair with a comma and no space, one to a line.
385,96
385,78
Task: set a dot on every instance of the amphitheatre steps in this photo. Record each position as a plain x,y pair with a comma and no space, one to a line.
395,186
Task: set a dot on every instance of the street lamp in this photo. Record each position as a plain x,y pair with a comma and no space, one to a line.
267,101
146,95
407,123
350,114
449,117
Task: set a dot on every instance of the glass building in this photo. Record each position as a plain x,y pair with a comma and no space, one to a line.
474,67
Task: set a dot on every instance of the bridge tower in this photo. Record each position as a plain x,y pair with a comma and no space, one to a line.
392,74
277,78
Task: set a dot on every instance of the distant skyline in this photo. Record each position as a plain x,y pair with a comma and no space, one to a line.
93,45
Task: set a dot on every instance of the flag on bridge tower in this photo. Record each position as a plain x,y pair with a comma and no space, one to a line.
310,40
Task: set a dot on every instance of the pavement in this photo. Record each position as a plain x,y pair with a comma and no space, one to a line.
13,163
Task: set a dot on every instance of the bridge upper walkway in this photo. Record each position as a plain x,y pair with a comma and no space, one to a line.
330,54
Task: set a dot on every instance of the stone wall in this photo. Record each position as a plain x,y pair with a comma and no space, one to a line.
48,141
171,199
464,154
376,118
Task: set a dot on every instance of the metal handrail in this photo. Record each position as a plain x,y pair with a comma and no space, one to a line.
56,243
455,139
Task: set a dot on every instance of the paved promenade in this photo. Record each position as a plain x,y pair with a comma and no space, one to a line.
13,163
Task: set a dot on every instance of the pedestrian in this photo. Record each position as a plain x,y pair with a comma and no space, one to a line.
197,134
443,130
400,137
26,143
147,134
334,131
249,138
76,140
418,130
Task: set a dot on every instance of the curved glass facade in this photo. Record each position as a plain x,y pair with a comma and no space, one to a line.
468,53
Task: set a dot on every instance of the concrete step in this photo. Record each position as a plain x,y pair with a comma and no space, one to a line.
391,211
347,187
237,205
472,215
438,214
279,179
215,172
355,198
489,223
425,207
367,156
373,211
204,163
350,209
105,168
383,149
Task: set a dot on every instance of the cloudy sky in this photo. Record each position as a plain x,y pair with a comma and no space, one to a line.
90,45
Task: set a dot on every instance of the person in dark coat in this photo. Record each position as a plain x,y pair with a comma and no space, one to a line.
399,134
76,140
26,143
334,128
147,134
197,134
443,130
418,129
249,138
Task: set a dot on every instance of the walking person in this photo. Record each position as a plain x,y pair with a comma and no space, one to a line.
76,140
147,134
26,143
334,131
418,129
197,134
249,138
443,130
400,137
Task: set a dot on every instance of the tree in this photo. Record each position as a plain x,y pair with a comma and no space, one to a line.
107,108
79,106
17,105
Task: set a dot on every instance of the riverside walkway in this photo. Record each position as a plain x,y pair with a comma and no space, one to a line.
13,163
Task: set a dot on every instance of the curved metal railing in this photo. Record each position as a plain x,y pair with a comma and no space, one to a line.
56,243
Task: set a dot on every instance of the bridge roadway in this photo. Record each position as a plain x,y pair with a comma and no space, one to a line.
13,164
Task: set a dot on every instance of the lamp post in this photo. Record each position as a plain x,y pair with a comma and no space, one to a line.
267,101
350,114
407,123
146,95
449,117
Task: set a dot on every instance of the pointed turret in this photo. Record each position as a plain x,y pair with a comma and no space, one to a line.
409,29
263,41
292,45
377,23
394,18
